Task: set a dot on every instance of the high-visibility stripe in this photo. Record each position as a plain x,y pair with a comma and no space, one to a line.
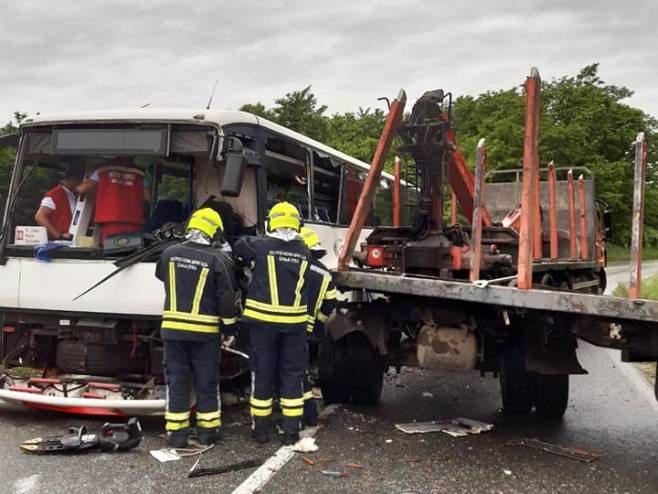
176,426
208,415
292,402
310,327
300,283
169,314
281,309
261,412
172,286
292,412
322,317
261,403
229,320
209,424
308,395
271,274
321,295
201,284
177,416
260,316
331,294
199,328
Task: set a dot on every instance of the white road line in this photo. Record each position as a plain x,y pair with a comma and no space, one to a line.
257,480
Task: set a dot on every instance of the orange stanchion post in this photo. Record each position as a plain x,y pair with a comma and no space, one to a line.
453,208
478,204
530,166
584,245
641,158
573,243
396,192
552,210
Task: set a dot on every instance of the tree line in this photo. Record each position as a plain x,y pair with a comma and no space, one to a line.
584,123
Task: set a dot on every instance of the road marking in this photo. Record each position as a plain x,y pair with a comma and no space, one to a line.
257,480
636,378
27,484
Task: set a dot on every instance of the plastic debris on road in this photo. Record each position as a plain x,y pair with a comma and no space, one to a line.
164,455
458,427
305,445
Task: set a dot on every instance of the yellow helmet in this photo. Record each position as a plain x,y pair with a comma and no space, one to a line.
311,238
206,220
284,215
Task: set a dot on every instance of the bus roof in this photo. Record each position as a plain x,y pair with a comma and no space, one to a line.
182,115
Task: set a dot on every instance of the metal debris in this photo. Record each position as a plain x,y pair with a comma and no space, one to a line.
354,465
234,467
577,454
333,473
458,427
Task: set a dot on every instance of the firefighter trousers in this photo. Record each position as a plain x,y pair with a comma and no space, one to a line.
278,359
187,363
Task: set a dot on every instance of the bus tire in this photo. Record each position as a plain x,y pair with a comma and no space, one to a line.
516,384
551,396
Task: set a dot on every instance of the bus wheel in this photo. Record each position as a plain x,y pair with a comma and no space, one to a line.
516,384
551,396
351,371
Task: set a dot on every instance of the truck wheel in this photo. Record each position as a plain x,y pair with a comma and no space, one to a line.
350,370
516,384
551,395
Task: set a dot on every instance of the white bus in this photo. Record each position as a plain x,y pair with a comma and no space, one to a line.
101,353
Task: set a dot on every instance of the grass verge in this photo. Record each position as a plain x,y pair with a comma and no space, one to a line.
619,253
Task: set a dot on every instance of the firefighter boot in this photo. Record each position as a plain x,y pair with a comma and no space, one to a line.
288,439
177,439
260,431
310,413
208,436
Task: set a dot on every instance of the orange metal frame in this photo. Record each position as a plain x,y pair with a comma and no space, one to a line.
552,210
478,208
641,158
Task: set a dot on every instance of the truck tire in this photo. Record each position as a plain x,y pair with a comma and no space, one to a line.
351,370
551,396
100,359
516,384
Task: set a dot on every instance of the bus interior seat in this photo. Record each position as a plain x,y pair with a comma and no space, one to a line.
322,214
165,211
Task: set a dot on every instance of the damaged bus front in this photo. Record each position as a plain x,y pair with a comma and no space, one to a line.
100,352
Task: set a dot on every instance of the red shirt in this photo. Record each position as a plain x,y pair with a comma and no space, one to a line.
120,195
62,215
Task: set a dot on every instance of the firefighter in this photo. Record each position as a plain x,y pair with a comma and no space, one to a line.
275,317
200,298
321,303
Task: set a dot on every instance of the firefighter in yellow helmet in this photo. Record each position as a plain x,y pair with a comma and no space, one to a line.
321,303
200,300
275,317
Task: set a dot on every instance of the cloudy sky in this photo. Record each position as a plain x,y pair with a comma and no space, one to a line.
64,55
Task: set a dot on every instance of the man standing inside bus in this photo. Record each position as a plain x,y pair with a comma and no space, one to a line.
120,197
200,298
275,318
56,209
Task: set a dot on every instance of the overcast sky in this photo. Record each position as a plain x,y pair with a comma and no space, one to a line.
68,55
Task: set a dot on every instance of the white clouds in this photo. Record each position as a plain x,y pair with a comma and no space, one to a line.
66,55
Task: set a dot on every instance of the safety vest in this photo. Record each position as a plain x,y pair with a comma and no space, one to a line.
61,216
277,292
120,195
199,291
321,294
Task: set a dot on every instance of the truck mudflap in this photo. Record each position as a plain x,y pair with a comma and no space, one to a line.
84,406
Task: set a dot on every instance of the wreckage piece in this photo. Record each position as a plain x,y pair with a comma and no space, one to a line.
112,437
577,454
458,427
234,467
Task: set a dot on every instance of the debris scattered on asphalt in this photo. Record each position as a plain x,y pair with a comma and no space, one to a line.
354,465
389,441
507,472
164,455
234,467
577,454
308,461
427,394
305,445
458,427
333,473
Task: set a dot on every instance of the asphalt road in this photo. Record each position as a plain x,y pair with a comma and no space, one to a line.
610,413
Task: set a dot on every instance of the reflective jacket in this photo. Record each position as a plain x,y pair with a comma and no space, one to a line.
200,291
321,294
277,292
62,215
120,195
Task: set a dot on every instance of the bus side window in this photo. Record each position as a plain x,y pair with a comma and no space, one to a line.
326,188
352,185
287,172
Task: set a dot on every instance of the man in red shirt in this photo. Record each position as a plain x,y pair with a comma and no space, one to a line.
120,197
56,209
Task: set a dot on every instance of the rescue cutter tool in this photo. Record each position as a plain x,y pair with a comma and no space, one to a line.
112,437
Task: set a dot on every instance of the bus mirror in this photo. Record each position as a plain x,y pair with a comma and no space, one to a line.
607,225
235,165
